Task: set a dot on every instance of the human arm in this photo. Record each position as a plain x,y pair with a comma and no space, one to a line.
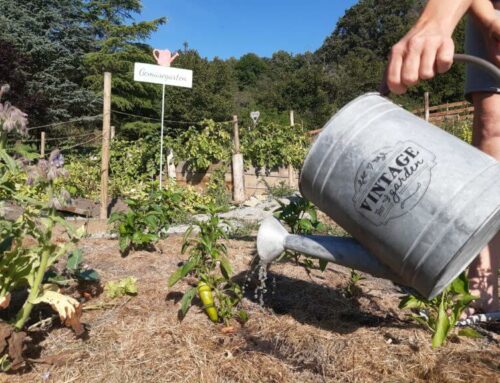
485,14
427,48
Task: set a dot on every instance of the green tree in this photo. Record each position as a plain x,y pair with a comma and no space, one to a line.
297,82
356,52
46,39
118,44
248,69
211,96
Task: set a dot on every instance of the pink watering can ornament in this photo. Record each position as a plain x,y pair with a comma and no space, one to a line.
164,57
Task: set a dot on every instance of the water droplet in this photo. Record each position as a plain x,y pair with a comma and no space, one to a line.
261,288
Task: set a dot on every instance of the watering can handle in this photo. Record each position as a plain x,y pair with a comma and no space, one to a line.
483,64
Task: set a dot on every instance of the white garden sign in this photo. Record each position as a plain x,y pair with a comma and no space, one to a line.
163,74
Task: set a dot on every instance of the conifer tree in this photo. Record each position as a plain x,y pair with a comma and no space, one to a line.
47,40
118,44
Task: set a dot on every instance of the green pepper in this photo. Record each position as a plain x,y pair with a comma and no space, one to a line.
205,294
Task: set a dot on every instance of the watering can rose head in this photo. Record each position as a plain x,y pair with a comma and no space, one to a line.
271,240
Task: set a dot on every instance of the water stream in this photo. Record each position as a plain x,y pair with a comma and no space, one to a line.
260,270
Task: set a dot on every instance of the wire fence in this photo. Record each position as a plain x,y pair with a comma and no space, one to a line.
87,139
169,121
80,119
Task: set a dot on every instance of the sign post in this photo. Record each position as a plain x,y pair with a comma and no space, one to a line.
163,74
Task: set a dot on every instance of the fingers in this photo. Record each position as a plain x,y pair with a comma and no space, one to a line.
411,63
444,57
428,65
394,70
418,58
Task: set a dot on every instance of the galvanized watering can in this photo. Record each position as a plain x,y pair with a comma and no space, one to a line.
419,202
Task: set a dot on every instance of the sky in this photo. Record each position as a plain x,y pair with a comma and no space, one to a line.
232,28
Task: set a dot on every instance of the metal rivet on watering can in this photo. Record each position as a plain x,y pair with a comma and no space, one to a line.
420,200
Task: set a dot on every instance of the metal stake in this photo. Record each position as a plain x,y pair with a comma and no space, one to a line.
161,143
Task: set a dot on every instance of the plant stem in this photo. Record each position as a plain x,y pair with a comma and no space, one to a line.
3,138
6,286
25,312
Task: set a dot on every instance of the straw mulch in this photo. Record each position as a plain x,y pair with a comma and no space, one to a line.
308,331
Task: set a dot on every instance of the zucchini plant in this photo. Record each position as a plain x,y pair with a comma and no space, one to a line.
209,264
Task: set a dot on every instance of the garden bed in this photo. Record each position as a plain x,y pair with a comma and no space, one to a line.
307,331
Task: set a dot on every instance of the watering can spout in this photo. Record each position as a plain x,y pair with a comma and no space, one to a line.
273,240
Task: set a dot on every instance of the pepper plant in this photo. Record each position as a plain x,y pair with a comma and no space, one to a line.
209,264
302,218
147,220
441,314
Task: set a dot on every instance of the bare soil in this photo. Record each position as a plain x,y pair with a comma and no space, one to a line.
307,331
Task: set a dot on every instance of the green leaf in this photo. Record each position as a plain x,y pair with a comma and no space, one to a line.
6,244
305,225
125,286
467,298
187,299
243,315
225,267
460,285
5,363
74,260
469,332
412,302
314,215
124,243
181,272
89,275
52,277
323,264
9,161
442,326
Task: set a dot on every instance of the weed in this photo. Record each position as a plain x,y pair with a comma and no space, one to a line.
125,286
353,289
245,230
281,190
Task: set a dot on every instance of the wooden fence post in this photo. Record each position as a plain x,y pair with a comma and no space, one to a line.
291,170
238,167
106,127
426,106
113,132
42,145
